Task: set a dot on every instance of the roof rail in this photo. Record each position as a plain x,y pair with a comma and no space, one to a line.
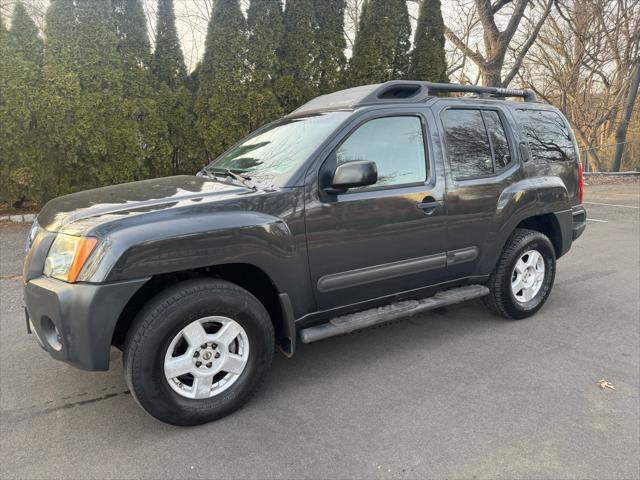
527,95
403,91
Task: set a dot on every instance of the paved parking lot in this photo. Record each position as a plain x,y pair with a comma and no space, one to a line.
453,394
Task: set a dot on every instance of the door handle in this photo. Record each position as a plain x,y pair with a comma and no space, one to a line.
428,205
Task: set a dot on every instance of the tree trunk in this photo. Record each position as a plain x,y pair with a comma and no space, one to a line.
621,132
491,74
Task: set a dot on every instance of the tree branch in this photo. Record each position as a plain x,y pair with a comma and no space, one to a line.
514,21
527,45
475,56
485,14
496,7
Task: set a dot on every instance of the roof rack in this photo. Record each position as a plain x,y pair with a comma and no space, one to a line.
484,92
404,91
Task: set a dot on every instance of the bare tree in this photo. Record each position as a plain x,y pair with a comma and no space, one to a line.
582,62
491,29
623,127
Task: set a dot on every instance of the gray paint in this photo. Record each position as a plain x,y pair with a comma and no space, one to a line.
330,253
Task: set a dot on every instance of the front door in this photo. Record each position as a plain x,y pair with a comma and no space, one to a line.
382,239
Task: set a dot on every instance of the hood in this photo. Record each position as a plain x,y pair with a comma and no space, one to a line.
97,206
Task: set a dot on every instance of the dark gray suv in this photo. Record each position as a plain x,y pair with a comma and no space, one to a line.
361,206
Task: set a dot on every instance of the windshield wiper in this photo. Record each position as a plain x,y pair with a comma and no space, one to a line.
227,172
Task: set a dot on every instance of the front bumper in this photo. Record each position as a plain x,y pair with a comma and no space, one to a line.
84,316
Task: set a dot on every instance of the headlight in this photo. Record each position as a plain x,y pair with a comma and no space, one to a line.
67,256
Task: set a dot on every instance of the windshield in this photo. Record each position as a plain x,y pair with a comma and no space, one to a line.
279,147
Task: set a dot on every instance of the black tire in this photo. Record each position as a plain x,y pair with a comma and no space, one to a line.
501,299
160,321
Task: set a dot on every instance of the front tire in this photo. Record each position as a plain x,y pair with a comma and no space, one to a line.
198,351
523,277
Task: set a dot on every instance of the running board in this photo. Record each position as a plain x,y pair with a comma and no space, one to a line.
376,316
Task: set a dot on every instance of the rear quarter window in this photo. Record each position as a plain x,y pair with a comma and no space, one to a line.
548,136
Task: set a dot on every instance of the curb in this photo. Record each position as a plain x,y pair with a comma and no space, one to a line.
28,218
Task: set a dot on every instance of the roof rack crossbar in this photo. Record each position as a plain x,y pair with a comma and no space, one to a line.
527,95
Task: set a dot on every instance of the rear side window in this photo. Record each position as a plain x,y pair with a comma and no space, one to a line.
477,144
395,144
549,138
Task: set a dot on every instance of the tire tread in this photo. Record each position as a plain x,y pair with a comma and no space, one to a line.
495,301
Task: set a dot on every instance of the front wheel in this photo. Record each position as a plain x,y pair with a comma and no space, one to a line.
198,351
523,277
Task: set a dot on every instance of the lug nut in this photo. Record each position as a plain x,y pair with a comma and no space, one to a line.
209,365
197,354
204,345
213,345
217,355
198,364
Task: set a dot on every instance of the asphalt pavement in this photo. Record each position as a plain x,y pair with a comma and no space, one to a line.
457,393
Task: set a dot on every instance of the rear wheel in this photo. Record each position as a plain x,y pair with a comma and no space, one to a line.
523,277
198,351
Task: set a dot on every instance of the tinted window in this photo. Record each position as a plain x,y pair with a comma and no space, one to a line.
395,144
468,146
548,136
498,138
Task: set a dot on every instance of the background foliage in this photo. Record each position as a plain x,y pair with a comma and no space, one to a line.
95,92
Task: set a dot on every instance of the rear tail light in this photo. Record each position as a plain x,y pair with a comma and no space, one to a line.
580,182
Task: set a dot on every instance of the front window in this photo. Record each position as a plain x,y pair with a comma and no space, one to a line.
395,144
279,147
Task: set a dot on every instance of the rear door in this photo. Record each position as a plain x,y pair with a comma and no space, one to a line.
383,239
481,163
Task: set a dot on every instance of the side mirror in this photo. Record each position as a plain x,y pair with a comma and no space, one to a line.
353,174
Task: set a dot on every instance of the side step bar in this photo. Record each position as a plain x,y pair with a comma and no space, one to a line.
376,316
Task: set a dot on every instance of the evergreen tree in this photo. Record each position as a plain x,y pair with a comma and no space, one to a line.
296,83
140,90
221,104
98,63
176,100
381,48
61,34
428,61
20,80
131,30
24,34
330,44
108,139
168,60
266,28
60,97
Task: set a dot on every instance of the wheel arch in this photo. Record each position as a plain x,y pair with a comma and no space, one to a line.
548,225
248,276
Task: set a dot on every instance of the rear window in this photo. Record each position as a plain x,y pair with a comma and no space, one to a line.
549,138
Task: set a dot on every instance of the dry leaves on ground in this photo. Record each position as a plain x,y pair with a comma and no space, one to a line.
604,385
